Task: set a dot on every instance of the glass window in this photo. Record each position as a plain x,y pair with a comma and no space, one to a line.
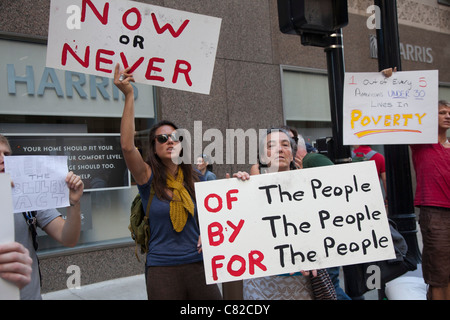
306,102
444,92
48,106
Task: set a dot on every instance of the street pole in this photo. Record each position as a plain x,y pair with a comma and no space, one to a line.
398,169
336,74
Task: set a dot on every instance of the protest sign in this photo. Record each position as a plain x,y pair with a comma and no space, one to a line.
39,182
401,109
290,221
164,47
8,291
96,158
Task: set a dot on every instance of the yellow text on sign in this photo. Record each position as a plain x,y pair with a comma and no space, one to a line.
387,120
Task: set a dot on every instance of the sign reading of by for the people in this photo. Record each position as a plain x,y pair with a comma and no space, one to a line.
290,221
163,47
401,109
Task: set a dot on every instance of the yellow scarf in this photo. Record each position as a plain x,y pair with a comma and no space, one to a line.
181,202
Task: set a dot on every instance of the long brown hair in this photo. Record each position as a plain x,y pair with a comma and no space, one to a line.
160,170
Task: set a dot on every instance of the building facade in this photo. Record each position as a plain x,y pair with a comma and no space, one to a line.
262,78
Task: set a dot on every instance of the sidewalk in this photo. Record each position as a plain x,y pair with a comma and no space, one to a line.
130,288
133,288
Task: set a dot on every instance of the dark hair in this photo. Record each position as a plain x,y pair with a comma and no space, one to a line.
207,160
160,170
291,142
294,132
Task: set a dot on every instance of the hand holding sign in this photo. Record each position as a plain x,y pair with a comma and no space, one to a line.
297,220
15,265
243,176
122,80
160,46
9,289
40,182
398,109
76,187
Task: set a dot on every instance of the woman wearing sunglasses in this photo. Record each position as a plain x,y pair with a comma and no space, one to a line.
174,262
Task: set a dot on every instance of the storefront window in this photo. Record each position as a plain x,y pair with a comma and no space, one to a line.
444,92
43,110
306,102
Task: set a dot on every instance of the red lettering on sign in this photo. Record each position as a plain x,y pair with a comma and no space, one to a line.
67,48
187,68
219,206
255,258
236,229
169,27
218,233
151,68
252,261
230,198
102,18
99,59
126,65
216,265
241,270
138,17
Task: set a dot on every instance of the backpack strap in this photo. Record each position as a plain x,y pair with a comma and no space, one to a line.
370,154
147,213
30,218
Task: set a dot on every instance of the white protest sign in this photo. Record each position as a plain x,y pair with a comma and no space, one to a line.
401,109
8,291
39,182
163,47
291,221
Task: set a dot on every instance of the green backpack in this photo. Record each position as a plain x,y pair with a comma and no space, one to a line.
139,224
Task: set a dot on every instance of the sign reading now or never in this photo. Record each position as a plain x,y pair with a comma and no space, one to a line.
290,221
164,47
401,109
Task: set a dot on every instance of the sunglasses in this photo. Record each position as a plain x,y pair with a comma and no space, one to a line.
163,138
